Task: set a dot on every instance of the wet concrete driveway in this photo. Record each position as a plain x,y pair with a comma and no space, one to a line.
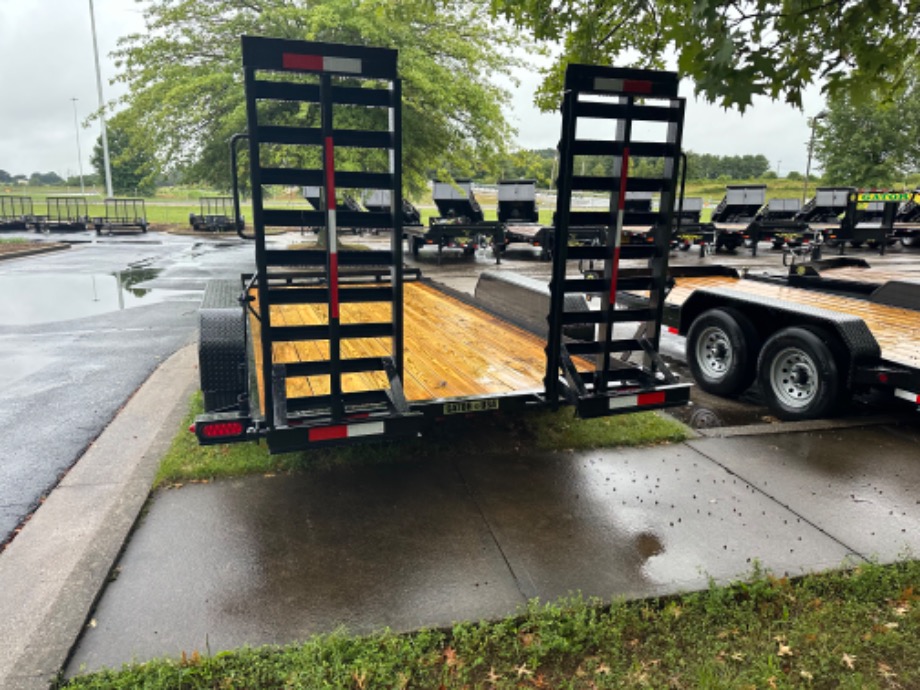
275,559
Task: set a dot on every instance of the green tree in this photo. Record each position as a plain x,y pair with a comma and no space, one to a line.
870,142
733,50
134,168
185,78
5,177
48,178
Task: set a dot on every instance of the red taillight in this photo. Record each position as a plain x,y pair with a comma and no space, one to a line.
673,330
883,378
221,429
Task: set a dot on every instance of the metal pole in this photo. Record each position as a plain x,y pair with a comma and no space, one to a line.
105,139
76,125
811,147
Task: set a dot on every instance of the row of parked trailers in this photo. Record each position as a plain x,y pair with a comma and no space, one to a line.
744,217
71,213
835,215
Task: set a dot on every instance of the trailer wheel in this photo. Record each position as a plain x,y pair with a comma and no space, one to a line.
909,241
798,374
722,346
416,246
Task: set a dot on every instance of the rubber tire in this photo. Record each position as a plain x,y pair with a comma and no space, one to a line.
744,343
812,342
910,241
416,246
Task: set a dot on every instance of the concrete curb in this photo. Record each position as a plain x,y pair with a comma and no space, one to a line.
31,251
53,571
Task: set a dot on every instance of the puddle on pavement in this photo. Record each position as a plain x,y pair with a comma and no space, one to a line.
648,545
47,298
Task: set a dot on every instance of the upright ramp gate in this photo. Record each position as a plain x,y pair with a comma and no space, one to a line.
318,113
622,114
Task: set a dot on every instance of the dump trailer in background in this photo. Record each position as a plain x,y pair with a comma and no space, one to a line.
735,213
689,229
776,223
460,223
907,222
327,346
869,218
517,209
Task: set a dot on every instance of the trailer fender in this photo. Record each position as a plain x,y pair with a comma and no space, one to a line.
222,346
848,336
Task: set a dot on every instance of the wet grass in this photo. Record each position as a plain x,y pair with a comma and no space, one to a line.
851,629
511,433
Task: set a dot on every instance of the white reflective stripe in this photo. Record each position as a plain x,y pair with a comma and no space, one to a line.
368,429
907,395
342,64
607,84
618,235
624,401
333,244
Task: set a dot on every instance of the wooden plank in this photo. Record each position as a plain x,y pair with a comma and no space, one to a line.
451,348
893,328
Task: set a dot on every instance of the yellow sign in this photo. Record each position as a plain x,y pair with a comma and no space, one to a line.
883,196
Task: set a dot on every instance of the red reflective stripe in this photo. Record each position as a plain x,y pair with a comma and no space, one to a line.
673,330
637,86
314,63
624,174
334,282
330,174
651,398
328,433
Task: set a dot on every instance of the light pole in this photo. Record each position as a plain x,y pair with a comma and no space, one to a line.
105,139
76,126
811,147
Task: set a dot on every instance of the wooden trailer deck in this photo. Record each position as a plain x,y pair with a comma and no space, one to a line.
452,349
894,329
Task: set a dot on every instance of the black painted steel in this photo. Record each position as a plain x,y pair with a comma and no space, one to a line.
325,77
619,97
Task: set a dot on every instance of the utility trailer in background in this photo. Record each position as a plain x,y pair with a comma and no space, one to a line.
810,340
322,346
216,214
16,212
735,213
64,214
122,214
461,223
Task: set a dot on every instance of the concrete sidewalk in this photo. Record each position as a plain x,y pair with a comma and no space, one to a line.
53,571
273,560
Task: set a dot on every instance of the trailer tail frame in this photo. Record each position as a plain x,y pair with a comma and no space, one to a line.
322,346
122,213
16,212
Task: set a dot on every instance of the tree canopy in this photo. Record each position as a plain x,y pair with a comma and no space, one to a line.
134,169
870,142
733,50
185,78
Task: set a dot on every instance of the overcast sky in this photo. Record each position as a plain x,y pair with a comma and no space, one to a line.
46,59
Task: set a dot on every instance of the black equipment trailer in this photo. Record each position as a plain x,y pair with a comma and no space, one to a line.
64,214
460,225
16,212
216,214
322,346
122,214
809,339
378,201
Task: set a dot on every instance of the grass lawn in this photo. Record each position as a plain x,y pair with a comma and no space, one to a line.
857,629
